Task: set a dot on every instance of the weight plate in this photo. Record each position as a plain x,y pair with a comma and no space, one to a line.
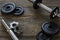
15,26
50,28
19,11
42,36
35,6
8,8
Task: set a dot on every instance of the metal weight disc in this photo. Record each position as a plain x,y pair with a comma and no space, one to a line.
19,11
35,4
42,36
8,8
50,28
15,26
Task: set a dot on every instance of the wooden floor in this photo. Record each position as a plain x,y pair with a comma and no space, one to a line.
30,21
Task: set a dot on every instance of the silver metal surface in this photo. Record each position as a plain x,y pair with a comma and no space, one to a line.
13,36
45,7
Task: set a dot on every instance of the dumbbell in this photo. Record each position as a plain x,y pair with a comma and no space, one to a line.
53,12
9,30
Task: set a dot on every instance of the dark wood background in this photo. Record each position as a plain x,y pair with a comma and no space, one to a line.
30,21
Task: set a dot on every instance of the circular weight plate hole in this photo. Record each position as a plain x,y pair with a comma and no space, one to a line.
13,25
17,28
18,10
8,8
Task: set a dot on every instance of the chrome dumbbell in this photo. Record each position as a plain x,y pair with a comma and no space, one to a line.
9,30
38,3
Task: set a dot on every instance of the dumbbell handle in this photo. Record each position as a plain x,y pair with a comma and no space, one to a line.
13,36
45,7
42,6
